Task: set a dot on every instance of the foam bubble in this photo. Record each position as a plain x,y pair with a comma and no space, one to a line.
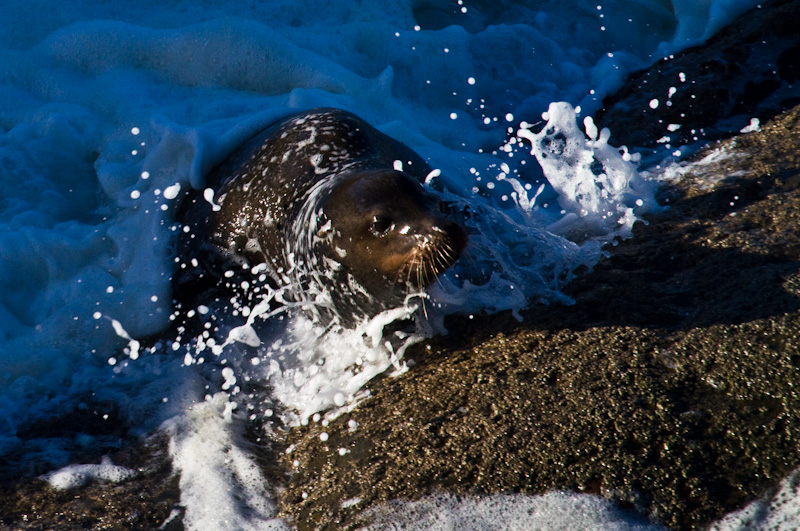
73,476
554,510
221,484
171,192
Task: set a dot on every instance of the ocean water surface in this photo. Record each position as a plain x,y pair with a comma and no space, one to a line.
109,114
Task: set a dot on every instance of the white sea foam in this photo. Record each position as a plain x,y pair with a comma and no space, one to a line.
778,511
108,114
221,484
549,512
73,476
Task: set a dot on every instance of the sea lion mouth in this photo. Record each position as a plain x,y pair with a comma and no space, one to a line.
432,255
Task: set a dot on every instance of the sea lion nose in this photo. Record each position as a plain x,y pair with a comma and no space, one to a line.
452,234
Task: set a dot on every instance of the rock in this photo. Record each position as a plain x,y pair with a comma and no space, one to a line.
749,69
149,500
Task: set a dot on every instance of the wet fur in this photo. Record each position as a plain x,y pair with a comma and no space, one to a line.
316,199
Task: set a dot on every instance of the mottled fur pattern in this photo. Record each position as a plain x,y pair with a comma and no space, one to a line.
331,207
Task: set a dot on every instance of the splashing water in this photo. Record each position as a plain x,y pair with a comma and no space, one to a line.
269,360
110,115
599,190
530,252
310,365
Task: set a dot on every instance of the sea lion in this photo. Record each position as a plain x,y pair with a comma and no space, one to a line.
326,204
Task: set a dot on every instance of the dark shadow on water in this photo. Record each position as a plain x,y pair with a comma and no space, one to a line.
749,69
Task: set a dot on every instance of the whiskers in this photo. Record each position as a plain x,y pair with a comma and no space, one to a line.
430,258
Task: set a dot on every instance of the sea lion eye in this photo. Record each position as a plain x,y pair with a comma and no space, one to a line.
380,225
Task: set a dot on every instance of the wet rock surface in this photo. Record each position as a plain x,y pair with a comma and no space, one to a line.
749,69
148,500
670,386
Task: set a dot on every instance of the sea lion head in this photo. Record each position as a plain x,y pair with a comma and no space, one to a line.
388,232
